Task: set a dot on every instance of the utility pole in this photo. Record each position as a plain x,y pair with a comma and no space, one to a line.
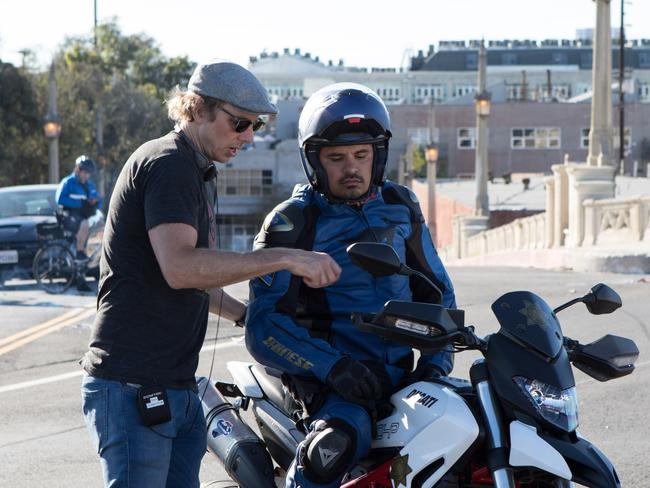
621,94
99,124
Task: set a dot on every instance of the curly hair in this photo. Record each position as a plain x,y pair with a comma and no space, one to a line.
182,104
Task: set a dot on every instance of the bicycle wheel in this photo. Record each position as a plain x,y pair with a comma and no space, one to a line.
54,268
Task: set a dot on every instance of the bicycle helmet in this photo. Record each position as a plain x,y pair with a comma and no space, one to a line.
84,163
343,114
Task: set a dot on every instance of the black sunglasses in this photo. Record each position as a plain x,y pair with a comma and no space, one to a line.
242,124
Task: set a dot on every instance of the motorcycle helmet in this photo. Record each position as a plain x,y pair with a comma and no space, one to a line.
84,163
343,114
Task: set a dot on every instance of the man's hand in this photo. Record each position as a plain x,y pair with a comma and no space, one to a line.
316,268
354,382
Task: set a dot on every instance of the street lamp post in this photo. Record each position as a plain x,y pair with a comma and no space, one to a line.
52,129
431,156
482,205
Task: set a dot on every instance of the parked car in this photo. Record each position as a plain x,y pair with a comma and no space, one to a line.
27,215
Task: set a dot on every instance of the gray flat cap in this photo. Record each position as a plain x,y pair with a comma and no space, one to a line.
233,84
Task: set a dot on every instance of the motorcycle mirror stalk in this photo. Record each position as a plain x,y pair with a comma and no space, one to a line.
380,259
601,299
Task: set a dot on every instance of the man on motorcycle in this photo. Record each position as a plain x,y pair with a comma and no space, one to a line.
335,372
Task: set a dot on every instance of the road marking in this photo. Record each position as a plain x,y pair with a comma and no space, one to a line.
41,381
44,325
25,337
235,342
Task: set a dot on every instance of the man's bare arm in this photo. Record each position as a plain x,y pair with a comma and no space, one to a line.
225,305
184,266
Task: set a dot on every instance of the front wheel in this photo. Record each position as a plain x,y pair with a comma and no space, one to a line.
54,268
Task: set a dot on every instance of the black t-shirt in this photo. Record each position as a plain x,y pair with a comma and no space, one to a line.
146,332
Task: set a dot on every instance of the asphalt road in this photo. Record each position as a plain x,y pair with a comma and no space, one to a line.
43,441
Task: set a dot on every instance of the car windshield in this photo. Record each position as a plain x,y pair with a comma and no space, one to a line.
24,202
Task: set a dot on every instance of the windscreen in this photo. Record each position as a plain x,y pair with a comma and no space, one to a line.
528,319
20,203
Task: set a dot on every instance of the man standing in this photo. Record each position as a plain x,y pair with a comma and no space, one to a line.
160,275
334,371
78,198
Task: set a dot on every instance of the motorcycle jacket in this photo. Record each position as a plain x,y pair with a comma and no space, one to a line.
72,194
304,331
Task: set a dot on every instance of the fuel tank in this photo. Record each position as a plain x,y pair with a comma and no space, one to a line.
432,425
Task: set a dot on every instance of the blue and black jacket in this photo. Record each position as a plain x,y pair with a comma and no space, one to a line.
72,194
304,331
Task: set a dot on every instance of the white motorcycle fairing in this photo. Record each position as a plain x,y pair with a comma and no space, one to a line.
528,449
431,422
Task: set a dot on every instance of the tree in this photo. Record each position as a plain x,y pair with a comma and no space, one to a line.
127,75
23,155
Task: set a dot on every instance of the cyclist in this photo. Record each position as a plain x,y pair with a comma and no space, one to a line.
78,198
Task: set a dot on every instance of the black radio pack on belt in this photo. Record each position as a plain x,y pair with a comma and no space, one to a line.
153,405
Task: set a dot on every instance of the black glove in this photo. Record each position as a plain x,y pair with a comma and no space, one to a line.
354,382
423,372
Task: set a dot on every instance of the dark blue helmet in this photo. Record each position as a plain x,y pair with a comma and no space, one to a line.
84,163
343,114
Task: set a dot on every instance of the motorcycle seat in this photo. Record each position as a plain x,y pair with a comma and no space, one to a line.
270,381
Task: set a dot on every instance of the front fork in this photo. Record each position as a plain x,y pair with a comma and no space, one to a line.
497,442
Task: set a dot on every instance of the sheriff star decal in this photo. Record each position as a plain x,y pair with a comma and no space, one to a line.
399,470
534,314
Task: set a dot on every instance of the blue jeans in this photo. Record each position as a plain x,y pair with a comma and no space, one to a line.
134,455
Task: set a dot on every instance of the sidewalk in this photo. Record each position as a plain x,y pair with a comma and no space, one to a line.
623,258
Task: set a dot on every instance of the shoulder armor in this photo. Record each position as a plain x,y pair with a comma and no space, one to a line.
284,225
398,194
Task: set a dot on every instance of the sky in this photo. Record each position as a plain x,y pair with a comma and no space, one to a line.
363,33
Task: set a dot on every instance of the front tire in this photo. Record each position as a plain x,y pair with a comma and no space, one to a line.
54,268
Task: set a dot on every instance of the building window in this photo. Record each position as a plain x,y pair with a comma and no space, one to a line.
509,58
558,92
643,91
535,138
245,182
584,138
466,137
559,58
471,61
586,59
644,60
423,93
515,91
237,232
462,90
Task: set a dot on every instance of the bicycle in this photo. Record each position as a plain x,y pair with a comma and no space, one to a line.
55,268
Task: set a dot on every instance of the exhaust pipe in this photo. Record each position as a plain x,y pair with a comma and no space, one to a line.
242,453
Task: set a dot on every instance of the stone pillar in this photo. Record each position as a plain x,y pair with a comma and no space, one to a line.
586,182
561,217
549,221
601,132
469,226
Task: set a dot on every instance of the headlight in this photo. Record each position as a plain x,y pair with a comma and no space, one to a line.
559,407
416,327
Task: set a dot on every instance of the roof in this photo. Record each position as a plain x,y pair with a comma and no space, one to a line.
467,59
514,197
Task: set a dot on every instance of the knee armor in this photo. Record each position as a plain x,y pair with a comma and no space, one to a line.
325,453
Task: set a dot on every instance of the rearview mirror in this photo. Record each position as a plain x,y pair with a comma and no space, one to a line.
602,299
376,258
607,358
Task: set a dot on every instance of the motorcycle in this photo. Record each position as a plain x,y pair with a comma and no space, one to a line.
513,425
